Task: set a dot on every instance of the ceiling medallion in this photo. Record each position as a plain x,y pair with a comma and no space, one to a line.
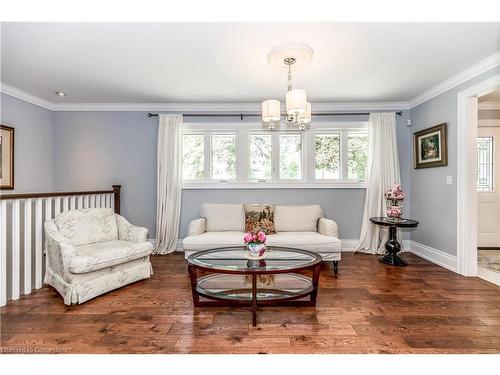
298,110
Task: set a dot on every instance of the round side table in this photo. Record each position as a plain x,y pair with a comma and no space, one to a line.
392,246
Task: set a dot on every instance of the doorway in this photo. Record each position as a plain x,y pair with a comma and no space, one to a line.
488,187
467,177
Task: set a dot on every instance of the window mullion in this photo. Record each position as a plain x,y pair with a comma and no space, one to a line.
344,154
276,157
207,173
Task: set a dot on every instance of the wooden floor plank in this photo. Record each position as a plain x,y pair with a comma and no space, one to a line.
369,308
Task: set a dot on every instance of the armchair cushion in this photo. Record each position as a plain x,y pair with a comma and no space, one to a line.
101,255
87,226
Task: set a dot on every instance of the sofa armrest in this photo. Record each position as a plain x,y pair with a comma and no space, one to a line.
328,227
58,250
197,227
129,232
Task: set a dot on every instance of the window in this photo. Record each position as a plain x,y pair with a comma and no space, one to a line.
290,156
245,155
223,159
485,164
260,157
327,159
193,156
357,156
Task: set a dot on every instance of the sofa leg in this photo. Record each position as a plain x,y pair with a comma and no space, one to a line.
335,267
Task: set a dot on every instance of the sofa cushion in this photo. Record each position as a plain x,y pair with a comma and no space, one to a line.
259,217
224,217
212,240
311,241
297,218
102,255
86,226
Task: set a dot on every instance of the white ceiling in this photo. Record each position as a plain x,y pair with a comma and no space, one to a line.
210,62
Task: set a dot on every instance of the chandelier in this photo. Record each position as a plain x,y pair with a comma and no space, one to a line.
298,109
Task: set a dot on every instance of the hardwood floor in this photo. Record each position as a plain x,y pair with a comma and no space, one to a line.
368,308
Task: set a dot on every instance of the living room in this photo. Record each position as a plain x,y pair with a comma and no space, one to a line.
247,188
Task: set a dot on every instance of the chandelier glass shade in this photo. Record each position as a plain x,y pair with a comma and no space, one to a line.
298,109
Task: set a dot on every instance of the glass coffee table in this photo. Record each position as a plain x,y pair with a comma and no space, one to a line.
224,277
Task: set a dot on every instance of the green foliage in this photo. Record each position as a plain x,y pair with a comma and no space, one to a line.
193,157
358,156
327,155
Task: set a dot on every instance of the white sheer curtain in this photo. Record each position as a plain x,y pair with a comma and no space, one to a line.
383,173
169,183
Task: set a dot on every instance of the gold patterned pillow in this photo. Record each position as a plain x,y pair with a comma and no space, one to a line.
259,217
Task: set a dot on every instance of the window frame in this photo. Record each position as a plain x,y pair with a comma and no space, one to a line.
244,130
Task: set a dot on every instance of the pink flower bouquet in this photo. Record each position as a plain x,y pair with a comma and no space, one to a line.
395,193
256,244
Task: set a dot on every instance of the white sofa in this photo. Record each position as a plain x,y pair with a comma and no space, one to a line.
92,251
297,226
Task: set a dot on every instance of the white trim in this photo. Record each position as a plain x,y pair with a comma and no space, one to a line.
349,245
266,185
491,123
484,106
488,275
27,97
433,255
466,179
190,107
465,75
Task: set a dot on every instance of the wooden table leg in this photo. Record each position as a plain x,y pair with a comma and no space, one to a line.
194,281
315,282
254,300
392,248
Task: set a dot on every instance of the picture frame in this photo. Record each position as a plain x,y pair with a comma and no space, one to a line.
6,157
430,147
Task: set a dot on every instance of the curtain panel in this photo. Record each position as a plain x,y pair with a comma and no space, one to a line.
383,174
169,183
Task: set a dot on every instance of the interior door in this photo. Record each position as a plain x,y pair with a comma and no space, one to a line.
488,186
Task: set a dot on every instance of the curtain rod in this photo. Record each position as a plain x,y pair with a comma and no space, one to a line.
243,115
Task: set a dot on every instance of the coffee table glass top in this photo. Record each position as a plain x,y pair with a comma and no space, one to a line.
233,260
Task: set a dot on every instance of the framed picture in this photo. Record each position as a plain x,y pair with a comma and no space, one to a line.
429,147
6,157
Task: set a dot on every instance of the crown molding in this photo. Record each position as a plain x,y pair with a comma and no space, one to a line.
189,107
488,105
465,75
25,96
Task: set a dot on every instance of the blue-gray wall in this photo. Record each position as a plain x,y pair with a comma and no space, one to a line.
434,203
94,150
33,151
58,151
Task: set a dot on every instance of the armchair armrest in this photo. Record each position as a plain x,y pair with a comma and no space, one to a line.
129,232
197,227
328,227
58,250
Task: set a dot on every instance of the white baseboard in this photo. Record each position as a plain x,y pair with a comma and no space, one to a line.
433,255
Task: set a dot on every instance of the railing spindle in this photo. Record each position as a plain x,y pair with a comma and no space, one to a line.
72,203
38,244
65,204
80,202
27,246
57,206
3,256
15,250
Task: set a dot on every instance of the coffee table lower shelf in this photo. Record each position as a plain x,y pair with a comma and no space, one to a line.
254,290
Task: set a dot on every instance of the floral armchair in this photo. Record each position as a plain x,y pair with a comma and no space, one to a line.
92,251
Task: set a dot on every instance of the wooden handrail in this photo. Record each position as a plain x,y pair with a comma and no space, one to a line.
115,192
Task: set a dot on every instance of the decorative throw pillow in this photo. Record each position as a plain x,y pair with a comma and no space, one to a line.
259,217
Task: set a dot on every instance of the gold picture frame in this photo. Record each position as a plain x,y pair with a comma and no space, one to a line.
430,147
6,157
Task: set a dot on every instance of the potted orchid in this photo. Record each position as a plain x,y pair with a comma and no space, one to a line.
256,245
394,197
